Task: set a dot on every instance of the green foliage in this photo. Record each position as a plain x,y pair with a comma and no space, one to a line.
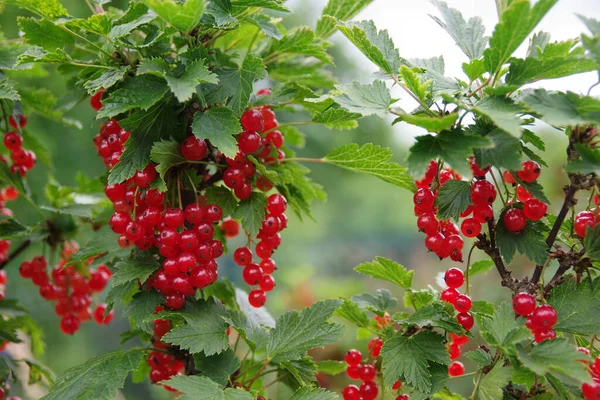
218,124
182,16
479,267
341,10
574,304
203,388
453,198
142,92
563,108
166,155
529,242
137,267
492,383
387,270
251,212
364,99
502,330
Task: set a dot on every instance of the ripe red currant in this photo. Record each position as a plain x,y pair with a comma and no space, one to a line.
470,227
369,390
193,149
456,369
523,304
454,278
544,334
514,220
529,172
257,298
253,120
535,209
249,142
351,392
99,315
465,320
463,303
544,316
483,192
508,177
427,223
96,100
353,357
367,373
449,295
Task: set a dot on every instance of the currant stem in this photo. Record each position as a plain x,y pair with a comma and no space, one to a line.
469,266
15,253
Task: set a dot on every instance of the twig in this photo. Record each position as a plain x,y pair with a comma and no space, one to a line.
489,247
15,253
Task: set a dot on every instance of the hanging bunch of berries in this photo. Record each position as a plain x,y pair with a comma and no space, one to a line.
22,159
70,289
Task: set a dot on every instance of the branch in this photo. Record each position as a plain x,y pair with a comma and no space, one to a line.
567,204
15,253
489,247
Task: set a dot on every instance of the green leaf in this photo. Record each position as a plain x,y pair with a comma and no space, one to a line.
556,356
556,108
297,332
205,331
141,91
293,136
412,80
467,35
136,15
118,293
352,313
591,242
166,155
516,23
410,358
504,153
242,5
529,242
575,305
41,101
342,10
435,315
137,267
502,329
183,85
419,298
480,357
502,111
8,90
535,189
183,16
218,367
51,9
363,98
331,367
378,303
44,33
337,118
249,328
430,123
218,124
377,46
105,79
490,387
267,25
97,379
313,393
588,161
373,160
474,69
141,308
523,376
454,147
223,197
482,307
453,198
146,128
103,245
549,64
97,24
251,212
13,229
38,371
202,388
300,41
387,270
479,267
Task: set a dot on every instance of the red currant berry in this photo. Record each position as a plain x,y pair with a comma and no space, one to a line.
508,177
453,351
397,385
204,232
459,340
21,118
353,357
483,213
535,209
268,266
213,213
463,303
544,334
465,320
351,392
99,315
193,149
523,304
233,178
483,192
253,120
477,171
230,228
470,227
402,397
263,251
119,222
449,295
529,172
514,220
96,100
544,316
267,283
423,199
454,278
69,324
252,274
257,298
427,223
591,391
522,194
276,204
275,138
13,141
369,390
353,372
367,373
249,142
456,369
194,213
173,217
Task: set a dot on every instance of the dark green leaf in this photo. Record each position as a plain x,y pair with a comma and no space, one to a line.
535,189
479,267
12,229
337,118
387,270
218,367
313,393
44,33
502,111
141,308
223,197
588,161
490,387
218,124
505,152
569,108
529,242
166,155
575,305
202,388
502,329
435,315
251,212
183,16
137,267
378,303
141,91
352,313
480,357
453,198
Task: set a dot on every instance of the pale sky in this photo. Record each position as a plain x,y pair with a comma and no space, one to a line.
416,35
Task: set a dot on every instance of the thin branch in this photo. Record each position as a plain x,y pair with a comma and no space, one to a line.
15,253
489,247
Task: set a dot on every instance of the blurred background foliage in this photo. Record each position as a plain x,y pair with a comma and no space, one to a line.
363,218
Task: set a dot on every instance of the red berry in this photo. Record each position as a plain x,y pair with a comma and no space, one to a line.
276,204
213,213
351,392
263,250
402,397
194,213
230,228
508,178
423,199
463,303
535,209
544,316
353,357
353,372
591,391
252,274
367,373
453,351
456,369
465,320
470,227
253,120
175,301
514,220
454,278
459,340
99,315
483,213
242,256
523,304
257,298
69,324
249,142
275,138
544,334
522,194
193,149
13,141
529,172
21,118
483,192
397,385
369,390
233,178
449,295
435,242
427,223
267,283
96,100
173,217
98,280
268,266
477,171
119,222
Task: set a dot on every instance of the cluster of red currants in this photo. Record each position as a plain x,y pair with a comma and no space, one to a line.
534,209
442,236
454,279
366,373
110,142
260,274
163,365
456,368
23,159
540,319
7,193
71,290
591,391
